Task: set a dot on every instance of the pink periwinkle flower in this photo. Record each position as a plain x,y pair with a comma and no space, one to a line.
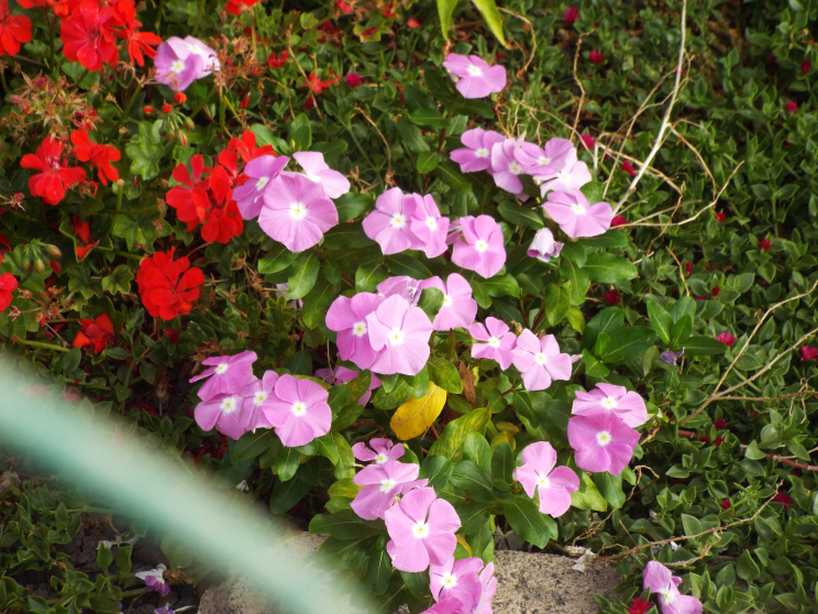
478,245
476,155
459,579
316,170
226,413
458,308
474,77
296,212
378,450
256,399
660,580
380,485
493,340
629,406
225,374
545,161
428,227
601,442
505,169
400,333
299,411
569,172
154,579
540,361
422,530
347,317
543,247
539,473
402,285
343,375
181,61
576,216
388,223
260,171
448,604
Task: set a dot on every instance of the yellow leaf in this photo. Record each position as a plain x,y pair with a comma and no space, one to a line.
414,417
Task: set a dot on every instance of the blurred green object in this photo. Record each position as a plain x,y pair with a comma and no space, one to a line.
488,9
146,485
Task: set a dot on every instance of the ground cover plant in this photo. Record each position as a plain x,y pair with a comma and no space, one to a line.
427,279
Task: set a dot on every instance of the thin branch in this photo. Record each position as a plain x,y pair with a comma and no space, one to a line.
666,119
579,85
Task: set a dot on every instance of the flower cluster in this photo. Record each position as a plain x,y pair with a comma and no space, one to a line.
15,30
168,288
554,167
234,401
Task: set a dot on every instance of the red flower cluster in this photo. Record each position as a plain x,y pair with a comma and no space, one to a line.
55,176
168,287
204,195
8,284
83,245
91,29
101,156
278,60
96,333
15,30
235,7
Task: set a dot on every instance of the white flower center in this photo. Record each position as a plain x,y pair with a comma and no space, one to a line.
447,301
312,177
387,484
539,358
222,368
481,152
396,337
359,329
481,246
578,209
298,409
177,66
609,403
397,221
474,71
259,397
228,405
431,223
603,438
262,183
449,581
297,211
494,342
668,596
543,481
514,168
381,458
543,160
420,530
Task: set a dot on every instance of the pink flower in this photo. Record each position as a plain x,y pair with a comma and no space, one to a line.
539,474
226,413
569,16
478,245
544,247
428,227
154,579
354,80
498,341
459,308
299,411
601,442
611,399
379,450
296,212
809,353
380,485
570,174
459,579
388,223
473,77
476,155
576,216
422,530
347,317
343,375
249,196
257,397
726,338
544,161
505,169
316,170
400,333
402,285
660,580
540,360
225,374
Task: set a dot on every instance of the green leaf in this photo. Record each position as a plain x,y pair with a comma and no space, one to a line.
303,278
607,319
502,464
611,488
622,344
408,264
300,132
588,496
351,205
450,443
265,136
746,568
445,11
145,150
660,320
250,447
316,304
270,265
445,374
379,572
428,118
426,162
699,345
119,280
525,518
753,452
477,449
493,19
431,300
369,274
411,137
468,481
680,331
520,216
608,269
344,525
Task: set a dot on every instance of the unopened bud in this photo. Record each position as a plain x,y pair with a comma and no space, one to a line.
53,250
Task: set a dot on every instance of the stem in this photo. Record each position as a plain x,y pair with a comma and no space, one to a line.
39,344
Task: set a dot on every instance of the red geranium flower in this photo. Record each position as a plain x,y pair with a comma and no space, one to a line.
168,287
224,220
277,61
8,284
97,333
54,177
639,606
100,156
88,36
139,44
235,7
316,85
191,202
243,148
15,30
